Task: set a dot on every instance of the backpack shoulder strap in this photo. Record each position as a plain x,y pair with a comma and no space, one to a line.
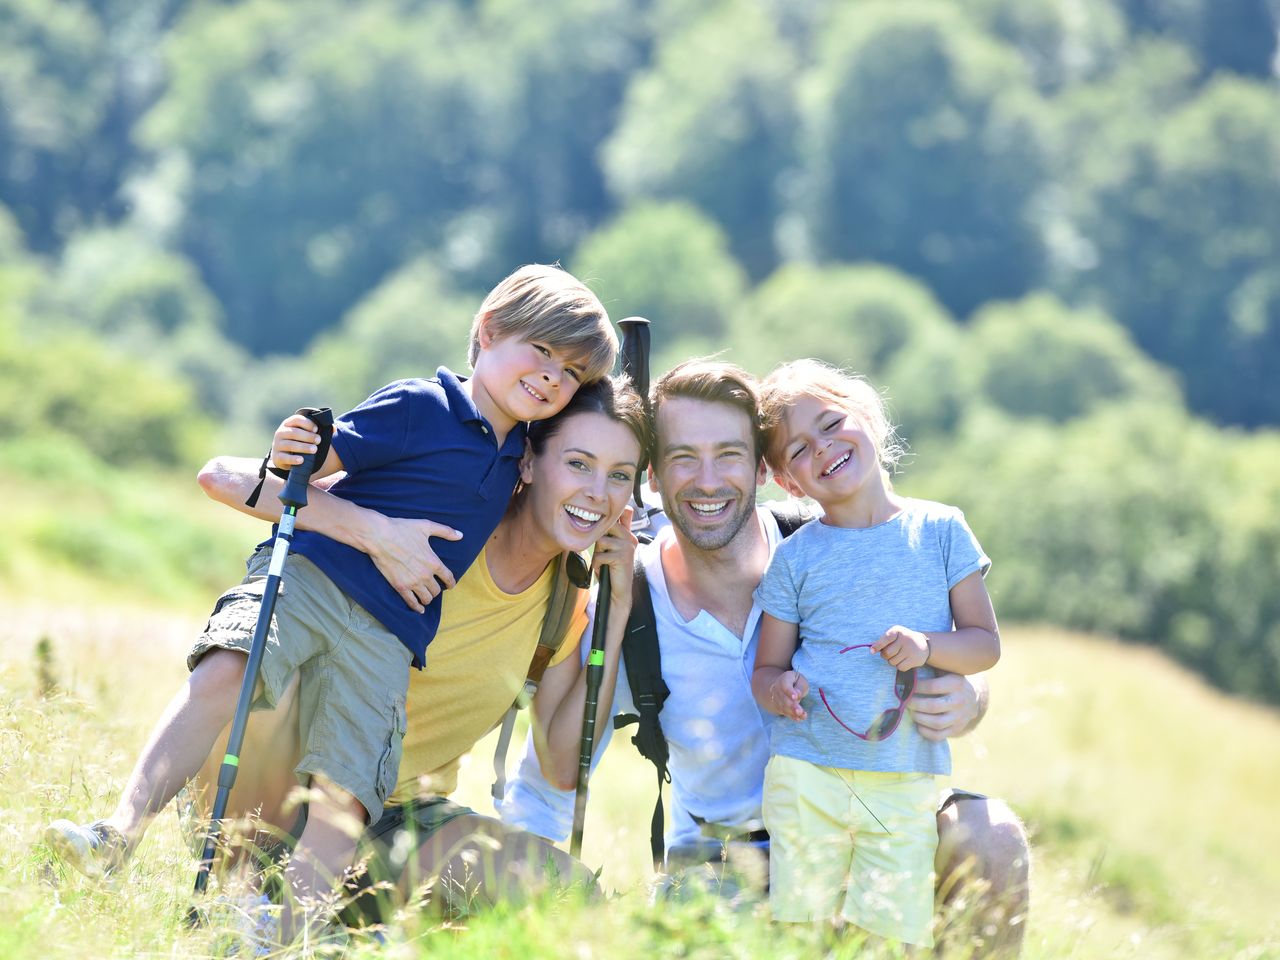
643,659
571,570
791,515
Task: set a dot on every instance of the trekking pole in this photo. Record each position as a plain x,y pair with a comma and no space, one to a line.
635,363
294,498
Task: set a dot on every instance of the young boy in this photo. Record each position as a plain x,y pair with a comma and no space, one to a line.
445,449
850,797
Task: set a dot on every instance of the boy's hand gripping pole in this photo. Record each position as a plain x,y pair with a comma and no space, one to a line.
635,364
294,498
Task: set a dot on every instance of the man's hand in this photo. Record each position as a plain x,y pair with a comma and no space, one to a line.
401,550
902,647
947,705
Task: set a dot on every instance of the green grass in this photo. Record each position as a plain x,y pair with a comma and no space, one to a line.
1150,799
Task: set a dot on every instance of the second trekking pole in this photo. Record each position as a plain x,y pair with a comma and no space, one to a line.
294,498
635,364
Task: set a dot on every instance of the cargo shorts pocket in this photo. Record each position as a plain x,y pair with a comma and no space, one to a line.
389,761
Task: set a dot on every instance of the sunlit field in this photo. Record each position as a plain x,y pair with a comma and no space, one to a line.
1150,800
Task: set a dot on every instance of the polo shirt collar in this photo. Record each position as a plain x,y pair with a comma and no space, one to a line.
465,409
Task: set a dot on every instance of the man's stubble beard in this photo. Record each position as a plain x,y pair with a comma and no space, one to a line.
709,540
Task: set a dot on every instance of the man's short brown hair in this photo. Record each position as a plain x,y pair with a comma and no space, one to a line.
713,381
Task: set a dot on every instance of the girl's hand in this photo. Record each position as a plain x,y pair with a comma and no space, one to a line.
295,437
617,548
903,648
785,694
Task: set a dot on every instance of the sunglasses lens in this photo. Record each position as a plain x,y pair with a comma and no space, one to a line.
904,684
885,724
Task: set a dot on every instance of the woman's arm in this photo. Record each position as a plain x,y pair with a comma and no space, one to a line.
400,548
560,702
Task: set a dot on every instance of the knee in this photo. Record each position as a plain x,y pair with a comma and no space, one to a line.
216,680
988,836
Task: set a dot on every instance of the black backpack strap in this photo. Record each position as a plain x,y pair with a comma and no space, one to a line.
791,514
571,577
643,660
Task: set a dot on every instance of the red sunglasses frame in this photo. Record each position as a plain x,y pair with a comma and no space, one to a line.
884,726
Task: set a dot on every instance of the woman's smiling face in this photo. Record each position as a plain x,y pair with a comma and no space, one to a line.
579,483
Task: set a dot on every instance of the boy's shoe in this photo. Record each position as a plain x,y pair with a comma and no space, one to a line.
95,849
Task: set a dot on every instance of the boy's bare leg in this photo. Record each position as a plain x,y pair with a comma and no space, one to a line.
983,865
180,741
325,851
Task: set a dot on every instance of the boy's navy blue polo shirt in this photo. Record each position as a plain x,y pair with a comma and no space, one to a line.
417,448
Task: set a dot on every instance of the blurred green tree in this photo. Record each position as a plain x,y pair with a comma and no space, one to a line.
1062,44
713,121
669,263
1038,358
74,78
1182,221
1235,35
323,145
859,317
554,82
924,152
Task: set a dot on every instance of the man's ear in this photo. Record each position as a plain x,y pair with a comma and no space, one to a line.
762,473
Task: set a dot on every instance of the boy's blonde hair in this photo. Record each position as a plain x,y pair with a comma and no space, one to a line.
548,304
827,384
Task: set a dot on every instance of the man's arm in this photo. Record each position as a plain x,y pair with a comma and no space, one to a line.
949,705
400,548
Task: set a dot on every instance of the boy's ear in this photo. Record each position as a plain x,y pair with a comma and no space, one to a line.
483,337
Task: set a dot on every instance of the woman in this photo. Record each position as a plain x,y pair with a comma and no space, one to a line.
575,481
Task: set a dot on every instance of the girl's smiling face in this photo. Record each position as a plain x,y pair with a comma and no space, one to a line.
827,452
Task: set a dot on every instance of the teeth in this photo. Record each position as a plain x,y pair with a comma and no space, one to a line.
532,392
707,509
581,514
836,465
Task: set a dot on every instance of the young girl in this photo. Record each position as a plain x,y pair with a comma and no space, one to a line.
880,588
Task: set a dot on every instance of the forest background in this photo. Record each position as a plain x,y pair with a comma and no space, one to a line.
1049,229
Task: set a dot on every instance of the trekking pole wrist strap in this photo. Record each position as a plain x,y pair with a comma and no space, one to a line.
325,430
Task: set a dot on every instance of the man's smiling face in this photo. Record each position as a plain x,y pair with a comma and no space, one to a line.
706,469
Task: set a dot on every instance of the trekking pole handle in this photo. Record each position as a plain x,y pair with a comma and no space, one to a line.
294,493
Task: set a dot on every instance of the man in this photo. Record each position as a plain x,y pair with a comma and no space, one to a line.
702,572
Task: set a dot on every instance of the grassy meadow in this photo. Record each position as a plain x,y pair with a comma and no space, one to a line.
1150,798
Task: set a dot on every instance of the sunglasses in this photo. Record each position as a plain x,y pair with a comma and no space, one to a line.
904,684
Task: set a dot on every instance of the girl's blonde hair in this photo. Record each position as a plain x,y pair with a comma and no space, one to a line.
548,304
823,382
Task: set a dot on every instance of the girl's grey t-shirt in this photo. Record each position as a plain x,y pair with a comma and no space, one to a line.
846,586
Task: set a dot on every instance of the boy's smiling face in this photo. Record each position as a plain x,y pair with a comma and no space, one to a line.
519,380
